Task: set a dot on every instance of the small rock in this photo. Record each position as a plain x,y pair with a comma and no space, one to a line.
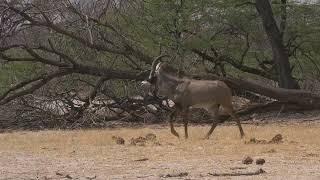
256,141
91,177
260,171
260,161
140,141
183,174
276,139
118,140
59,174
141,144
247,160
68,176
157,143
151,137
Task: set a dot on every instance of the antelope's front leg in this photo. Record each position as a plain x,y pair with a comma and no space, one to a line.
185,122
173,131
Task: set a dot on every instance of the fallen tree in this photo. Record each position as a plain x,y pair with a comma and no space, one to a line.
282,100
64,63
301,98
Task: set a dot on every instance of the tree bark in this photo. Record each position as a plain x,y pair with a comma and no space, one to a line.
280,55
302,98
283,22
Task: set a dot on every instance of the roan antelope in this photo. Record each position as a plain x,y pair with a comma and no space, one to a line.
186,93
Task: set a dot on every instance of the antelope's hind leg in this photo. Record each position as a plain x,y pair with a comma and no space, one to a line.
213,110
230,111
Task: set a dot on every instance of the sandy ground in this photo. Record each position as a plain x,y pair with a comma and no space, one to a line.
93,154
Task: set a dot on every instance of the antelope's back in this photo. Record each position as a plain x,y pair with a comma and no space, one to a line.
205,91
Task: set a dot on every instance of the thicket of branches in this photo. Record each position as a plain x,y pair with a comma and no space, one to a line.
69,62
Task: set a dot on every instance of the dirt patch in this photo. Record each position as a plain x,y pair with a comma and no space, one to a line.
85,154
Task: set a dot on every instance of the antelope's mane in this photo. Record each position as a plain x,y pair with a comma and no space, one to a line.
166,68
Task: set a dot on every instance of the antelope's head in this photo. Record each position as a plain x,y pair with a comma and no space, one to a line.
150,84
162,80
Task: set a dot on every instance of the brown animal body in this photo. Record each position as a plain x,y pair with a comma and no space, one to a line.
186,93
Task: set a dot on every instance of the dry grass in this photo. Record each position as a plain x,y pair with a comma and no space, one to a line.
88,152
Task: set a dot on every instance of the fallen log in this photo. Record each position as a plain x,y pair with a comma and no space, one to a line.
262,108
300,98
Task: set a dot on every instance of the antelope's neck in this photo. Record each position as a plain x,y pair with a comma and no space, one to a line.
169,78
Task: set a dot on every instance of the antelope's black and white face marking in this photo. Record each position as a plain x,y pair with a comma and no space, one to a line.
151,85
146,87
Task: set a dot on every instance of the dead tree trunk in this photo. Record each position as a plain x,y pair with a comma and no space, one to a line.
280,55
301,98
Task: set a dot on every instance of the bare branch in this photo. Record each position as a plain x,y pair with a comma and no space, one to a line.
246,49
90,97
60,30
35,56
54,51
244,4
235,64
36,84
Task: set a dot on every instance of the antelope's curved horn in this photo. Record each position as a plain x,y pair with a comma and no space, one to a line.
154,64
